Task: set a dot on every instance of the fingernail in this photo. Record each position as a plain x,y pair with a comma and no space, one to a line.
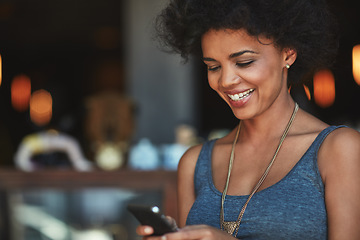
148,230
163,237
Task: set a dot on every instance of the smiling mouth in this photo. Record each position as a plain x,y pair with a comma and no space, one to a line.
240,96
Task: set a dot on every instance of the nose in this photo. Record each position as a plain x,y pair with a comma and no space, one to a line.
229,77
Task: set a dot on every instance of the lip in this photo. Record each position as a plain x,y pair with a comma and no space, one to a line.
241,102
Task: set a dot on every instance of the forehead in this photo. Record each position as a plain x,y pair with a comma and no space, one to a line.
228,41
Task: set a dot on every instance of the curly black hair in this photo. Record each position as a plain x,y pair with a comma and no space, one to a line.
305,25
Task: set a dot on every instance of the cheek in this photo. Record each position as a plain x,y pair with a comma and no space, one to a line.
271,85
269,75
214,85
213,82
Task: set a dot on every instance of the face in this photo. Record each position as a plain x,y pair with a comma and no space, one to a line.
249,73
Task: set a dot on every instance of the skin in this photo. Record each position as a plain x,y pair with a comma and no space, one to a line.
238,62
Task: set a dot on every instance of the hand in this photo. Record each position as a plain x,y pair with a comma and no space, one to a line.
146,231
197,232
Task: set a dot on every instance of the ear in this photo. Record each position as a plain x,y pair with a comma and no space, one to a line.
290,56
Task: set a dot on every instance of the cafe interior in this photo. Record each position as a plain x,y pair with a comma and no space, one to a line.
94,116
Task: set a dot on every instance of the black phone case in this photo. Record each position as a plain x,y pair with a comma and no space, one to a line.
146,216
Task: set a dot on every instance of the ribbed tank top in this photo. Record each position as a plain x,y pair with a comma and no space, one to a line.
293,208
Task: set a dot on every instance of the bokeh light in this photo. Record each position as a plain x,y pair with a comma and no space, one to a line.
324,88
41,107
307,92
356,63
20,92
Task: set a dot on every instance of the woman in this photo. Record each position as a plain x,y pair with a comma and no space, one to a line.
282,173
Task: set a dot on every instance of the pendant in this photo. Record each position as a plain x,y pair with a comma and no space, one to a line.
229,227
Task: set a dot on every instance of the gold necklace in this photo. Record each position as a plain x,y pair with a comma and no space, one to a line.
233,227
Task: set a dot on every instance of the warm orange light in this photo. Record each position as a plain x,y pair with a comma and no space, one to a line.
356,63
307,92
324,88
41,107
20,92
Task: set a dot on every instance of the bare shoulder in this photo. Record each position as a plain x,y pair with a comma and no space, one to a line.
339,164
342,141
186,188
189,159
340,150
187,164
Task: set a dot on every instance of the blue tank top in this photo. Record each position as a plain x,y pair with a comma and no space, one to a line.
293,208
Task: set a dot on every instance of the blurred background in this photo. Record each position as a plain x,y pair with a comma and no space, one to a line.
78,50
83,85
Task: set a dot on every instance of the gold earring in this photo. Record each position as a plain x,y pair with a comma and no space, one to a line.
287,66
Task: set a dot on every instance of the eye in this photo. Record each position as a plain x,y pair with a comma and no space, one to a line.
213,68
244,64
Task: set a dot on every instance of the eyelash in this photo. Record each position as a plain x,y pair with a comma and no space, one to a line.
245,64
212,69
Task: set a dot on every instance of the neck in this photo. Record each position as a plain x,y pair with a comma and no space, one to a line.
269,125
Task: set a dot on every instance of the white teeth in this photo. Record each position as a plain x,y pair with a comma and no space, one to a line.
239,96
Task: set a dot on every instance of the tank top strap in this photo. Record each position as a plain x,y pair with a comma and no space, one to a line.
308,163
203,165
321,137
203,171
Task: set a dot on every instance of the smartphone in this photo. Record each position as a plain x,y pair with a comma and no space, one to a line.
151,216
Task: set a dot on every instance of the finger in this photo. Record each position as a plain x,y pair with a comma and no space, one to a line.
185,233
144,230
197,232
172,222
155,238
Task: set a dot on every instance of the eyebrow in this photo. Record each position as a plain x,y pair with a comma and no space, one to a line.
233,55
